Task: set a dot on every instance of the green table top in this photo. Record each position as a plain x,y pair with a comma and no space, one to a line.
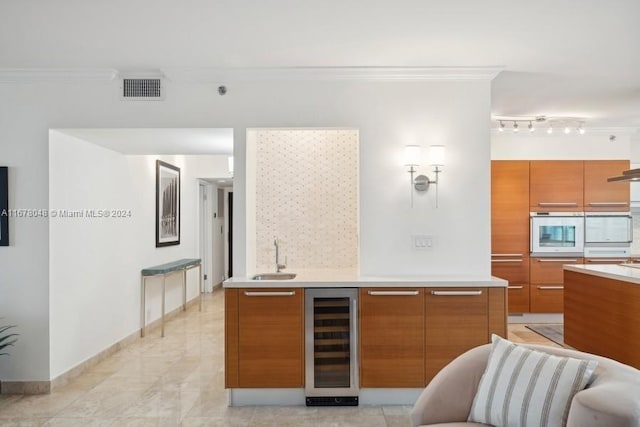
170,266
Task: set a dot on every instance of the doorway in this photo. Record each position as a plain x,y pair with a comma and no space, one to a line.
205,238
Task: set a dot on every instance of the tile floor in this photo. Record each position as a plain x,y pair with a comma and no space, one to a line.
179,381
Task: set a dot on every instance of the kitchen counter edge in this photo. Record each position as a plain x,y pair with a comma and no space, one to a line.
621,272
365,282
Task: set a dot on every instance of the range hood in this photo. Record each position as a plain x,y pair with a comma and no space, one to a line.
628,175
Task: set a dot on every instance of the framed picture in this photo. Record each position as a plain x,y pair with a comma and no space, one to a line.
167,204
4,206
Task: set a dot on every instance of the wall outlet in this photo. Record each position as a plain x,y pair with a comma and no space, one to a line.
422,242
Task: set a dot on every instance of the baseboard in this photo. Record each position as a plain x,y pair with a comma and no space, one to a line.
46,387
25,387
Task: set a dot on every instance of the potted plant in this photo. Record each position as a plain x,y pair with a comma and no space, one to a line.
7,337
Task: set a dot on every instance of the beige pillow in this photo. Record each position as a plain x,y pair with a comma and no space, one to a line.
523,387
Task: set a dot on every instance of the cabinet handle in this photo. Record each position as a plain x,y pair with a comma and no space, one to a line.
514,255
515,287
557,260
270,294
606,260
608,203
557,204
456,293
507,260
393,293
550,288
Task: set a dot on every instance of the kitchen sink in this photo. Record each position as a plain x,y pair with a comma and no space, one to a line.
274,276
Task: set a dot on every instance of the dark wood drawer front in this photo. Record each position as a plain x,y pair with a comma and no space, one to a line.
550,270
511,268
547,298
519,298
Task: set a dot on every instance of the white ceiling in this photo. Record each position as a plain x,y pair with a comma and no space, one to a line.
159,141
560,57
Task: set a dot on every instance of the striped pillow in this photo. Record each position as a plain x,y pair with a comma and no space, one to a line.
523,387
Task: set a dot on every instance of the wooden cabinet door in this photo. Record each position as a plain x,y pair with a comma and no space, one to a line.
601,195
516,271
271,338
455,321
556,185
547,287
510,208
392,337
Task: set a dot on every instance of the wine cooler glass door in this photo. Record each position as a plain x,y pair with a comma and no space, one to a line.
330,342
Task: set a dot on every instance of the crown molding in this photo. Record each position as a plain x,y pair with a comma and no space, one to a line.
29,75
224,75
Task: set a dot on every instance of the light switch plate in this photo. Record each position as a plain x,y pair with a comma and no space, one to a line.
422,242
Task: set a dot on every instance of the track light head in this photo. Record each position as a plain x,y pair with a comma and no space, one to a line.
531,128
515,126
501,128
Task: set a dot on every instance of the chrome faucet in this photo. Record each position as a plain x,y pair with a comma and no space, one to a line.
278,265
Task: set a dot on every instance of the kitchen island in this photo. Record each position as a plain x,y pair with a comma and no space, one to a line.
407,328
602,310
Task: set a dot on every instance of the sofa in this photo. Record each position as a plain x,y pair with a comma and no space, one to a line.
612,398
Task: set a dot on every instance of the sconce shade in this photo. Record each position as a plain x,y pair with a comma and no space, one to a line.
436,155
230,160
412,155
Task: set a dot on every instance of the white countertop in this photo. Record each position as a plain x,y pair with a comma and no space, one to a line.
351,279
625,272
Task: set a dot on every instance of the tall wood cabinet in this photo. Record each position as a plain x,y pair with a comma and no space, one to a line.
556,185
264,337
601,195
510,229
391,337
520,187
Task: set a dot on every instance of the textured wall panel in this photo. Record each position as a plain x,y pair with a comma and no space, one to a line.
307,197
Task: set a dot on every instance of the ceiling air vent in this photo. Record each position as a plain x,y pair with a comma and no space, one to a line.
142,89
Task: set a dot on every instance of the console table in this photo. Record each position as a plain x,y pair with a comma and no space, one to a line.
164,270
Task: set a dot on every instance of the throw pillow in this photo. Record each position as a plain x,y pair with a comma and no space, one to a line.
522,387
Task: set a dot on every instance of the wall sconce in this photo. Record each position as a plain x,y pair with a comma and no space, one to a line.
421,182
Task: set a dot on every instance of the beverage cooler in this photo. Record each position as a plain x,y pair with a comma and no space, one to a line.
331,371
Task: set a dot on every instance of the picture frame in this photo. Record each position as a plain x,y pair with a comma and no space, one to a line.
167,204
4,206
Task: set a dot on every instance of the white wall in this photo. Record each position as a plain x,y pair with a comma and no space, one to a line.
95,263
593,145
388,115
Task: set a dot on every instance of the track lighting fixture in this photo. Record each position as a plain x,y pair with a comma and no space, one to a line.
568,124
